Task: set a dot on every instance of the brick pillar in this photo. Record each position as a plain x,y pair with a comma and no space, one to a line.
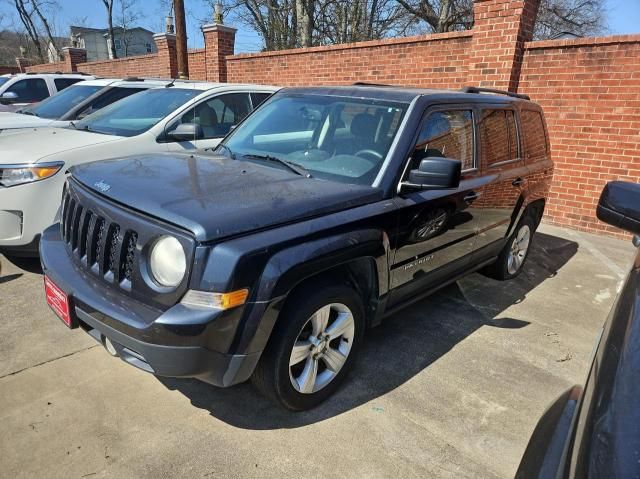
219,42
23,63
72,57
500,29
167,58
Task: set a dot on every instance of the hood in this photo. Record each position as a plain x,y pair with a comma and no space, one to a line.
32,145
17,120
215,197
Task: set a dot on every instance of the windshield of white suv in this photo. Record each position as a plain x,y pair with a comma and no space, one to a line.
136,114
60,103
335,138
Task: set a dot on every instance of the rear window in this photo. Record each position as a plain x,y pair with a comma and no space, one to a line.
62,83
535,140
497,136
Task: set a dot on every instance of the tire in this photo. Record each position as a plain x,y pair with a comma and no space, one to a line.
301,322
514,255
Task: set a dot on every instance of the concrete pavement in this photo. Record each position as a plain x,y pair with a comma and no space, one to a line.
450,387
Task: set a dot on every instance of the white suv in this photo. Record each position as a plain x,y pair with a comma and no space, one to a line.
22,89
74,103
181,116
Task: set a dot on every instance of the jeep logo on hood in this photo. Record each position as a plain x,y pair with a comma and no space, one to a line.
102,186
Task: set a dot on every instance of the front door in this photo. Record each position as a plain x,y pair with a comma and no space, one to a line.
216,116
436,230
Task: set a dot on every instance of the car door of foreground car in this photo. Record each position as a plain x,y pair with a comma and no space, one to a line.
436,231
216,116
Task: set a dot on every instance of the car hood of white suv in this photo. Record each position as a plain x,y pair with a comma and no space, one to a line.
18,120
33,145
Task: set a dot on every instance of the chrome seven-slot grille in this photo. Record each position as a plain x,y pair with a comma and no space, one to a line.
100,245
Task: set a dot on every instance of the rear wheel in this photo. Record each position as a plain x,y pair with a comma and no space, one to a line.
312,347
514,254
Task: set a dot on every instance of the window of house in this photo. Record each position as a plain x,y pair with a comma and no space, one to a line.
118,44
446,134
148,46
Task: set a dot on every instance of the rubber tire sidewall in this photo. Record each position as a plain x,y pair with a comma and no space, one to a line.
272,374
499,270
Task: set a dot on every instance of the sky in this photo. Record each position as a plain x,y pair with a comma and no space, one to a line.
623,17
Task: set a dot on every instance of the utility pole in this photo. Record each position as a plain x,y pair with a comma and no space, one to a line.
181,39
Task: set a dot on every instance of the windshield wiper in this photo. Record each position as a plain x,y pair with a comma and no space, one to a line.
26,112
295,167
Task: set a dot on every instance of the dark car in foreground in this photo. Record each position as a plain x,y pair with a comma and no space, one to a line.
595,432
325,211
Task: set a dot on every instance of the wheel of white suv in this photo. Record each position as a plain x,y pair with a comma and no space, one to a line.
313,346
514,254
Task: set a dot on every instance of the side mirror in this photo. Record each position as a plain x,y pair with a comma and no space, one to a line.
8,98
619,206
435,174
186,132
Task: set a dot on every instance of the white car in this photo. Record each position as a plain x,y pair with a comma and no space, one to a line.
178,117
74,103
22,89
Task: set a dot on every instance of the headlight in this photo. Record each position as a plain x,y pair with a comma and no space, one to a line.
168,262
12,175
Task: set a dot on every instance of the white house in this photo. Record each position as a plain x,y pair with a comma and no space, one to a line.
131,42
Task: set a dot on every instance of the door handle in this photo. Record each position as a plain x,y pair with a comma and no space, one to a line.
471,197
518,182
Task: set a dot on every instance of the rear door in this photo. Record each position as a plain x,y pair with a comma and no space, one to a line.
504,174
437,229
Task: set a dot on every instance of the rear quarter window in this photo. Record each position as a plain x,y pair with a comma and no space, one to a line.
534,137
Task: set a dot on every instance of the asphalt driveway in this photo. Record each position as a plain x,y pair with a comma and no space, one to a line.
450,387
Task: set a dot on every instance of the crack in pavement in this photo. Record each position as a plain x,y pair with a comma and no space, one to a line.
49,361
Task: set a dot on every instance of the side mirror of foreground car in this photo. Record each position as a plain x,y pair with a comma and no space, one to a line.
434,173
8,98
619,206
186,132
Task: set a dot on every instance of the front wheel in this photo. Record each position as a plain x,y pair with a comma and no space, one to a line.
514,254
312,347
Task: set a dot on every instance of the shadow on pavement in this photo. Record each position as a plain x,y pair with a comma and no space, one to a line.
31,265
393,353
9,277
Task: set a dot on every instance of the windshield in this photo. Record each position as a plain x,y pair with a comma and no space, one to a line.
60,103
334,138
136,114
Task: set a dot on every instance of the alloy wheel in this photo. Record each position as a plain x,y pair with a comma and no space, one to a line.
519,248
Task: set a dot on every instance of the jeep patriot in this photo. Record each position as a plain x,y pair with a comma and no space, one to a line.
323,212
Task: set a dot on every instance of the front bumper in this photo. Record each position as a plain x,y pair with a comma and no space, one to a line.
176,342
26,210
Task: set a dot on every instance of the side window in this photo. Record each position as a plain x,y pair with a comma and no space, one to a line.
513,135
257,98
497,136
218,115
447,134
535,140
62,83
108,98
30,91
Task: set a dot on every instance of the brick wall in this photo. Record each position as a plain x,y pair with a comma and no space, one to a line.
4,69
438,61
48,67
197,65
590,91
145,65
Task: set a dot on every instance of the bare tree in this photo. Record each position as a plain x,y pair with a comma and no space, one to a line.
108,4
26,17
38,11
128,16
578,17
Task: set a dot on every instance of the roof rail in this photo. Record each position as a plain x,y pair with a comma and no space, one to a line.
364,83
475,89
132,79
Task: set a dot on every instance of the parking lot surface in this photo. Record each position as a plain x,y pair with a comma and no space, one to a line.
450,387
